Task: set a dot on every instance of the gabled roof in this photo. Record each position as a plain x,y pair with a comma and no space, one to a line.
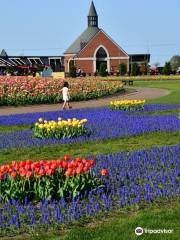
3,53
92,11
82,40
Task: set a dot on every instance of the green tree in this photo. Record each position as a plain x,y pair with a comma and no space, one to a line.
135,69
175,62
122,69
72,69
103,70
167,68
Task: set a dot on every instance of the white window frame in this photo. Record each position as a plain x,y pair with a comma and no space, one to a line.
18,60
34,58
6,63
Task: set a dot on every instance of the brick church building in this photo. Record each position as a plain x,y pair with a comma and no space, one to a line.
88,51
94,46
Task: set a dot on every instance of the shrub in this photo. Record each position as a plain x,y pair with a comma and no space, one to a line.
122,69
72,70
135,69
103,70
167,68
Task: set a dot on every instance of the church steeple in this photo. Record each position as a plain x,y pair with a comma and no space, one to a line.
92,16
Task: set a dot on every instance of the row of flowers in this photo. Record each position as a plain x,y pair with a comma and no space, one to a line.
24,90
60,129
31,118
145,78
134,178
74,127
103,123
127,105
51,179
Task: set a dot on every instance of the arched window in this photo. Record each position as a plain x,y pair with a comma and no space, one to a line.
101,53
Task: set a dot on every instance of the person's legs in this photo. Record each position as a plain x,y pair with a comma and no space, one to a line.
64,105
69,106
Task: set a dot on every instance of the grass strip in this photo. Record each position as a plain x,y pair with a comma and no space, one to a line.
91,148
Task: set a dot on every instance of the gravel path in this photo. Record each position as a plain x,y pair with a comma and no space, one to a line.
136,93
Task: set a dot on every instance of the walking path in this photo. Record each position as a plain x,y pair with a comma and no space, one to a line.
136,93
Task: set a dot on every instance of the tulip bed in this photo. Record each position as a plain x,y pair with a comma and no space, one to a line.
49,195
25,90
61,129
128,105
135,178
53,179
103,123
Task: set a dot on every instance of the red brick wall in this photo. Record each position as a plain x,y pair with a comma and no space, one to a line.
85,65
88,52
101,39
115,64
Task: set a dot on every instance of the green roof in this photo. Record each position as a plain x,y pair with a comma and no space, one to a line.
82,40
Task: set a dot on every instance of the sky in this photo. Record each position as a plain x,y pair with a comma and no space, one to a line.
48,27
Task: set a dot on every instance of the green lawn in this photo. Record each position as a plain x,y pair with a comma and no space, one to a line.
91,148
163,112
120,225
117,225
14,128
172,85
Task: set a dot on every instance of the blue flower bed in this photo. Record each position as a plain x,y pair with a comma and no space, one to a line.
135,178
160,107
31,118
103,124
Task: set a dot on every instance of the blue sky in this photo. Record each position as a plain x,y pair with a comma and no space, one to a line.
48,27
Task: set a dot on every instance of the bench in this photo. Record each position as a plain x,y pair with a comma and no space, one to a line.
127,82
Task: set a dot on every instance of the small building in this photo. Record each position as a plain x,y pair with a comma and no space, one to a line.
23,62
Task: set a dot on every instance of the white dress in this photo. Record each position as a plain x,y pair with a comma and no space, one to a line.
65,94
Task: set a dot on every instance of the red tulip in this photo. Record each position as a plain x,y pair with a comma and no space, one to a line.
92,162
29,162
50,172
104,172
29,174
27,167
67,157
53,166
1,176
68,173
85,169
3,168
70,165
77,160
64,164
41,172
22,164
59,163
84,161
14,174
23,173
